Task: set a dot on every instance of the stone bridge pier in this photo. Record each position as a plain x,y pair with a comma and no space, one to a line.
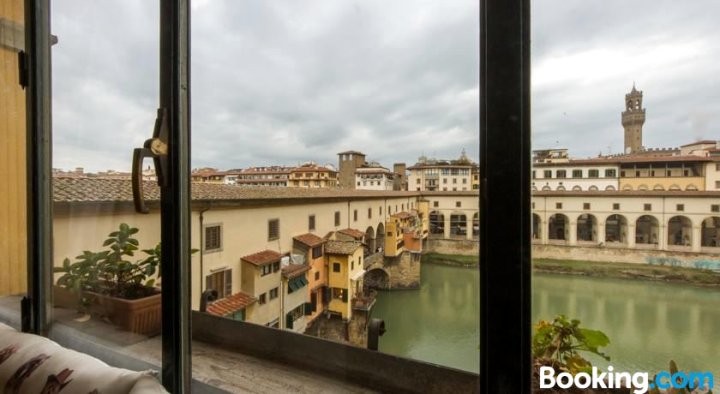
393,273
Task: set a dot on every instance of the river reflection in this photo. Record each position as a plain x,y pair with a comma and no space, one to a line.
648,323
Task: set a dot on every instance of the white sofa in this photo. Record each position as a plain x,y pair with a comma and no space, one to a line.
34,364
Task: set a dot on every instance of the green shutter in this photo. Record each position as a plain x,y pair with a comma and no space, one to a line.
288,321
308,309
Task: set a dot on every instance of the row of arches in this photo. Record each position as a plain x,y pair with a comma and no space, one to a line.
374,239
659,187
610,188
647,229
458,224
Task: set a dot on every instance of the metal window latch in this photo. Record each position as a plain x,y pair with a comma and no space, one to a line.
156,148
23,69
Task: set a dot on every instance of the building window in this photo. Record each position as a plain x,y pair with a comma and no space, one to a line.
715,208
610,173
622,173
533,174
273,229
262,299
369,213
680,207
444,180
616,206
273,294
464,180
436,204
717,184
593,173
265,269
337,218
454,180
338,293
402,207
558,205
586,205
336,267
221,282
317,252
355,215
417,181
213,238
561,174
647,207
458,204
317,275
352,265
533,205
547,174
311,223
577,173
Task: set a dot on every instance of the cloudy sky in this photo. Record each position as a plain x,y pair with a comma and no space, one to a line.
283,82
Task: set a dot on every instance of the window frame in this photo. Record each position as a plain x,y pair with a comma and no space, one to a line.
207,227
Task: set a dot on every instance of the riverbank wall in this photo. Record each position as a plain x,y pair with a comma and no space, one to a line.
465,247
633,256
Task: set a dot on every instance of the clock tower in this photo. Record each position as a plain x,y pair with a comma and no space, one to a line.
633,119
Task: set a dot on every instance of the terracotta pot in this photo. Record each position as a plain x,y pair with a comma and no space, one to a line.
141,316
65,298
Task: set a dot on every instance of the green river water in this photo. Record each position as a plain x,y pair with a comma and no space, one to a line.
648,323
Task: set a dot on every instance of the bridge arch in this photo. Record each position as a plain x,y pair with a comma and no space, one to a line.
679,231
380,237
376,278
647,230
558,227
586,228
370,247
616,227
710,232
536,227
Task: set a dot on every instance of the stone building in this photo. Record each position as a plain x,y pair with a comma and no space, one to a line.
633,119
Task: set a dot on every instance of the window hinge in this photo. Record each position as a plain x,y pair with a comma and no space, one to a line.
23,69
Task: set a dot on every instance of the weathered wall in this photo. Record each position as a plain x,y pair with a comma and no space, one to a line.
600,254
453,246
404,271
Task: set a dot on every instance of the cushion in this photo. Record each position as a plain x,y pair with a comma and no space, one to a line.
34,364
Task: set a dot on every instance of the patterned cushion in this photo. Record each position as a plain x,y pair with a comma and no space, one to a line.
34,364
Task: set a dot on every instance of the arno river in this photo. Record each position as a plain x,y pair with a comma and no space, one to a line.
648,323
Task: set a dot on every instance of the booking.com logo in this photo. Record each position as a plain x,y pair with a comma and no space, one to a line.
638,381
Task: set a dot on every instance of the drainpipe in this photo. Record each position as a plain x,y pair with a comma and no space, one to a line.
202,248
348,215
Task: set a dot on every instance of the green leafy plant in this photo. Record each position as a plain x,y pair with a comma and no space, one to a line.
558,343
111,271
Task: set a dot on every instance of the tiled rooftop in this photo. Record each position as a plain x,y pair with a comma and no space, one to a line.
294,270
402,215
120,190
357,234
263,258
231,304
310,240
342,247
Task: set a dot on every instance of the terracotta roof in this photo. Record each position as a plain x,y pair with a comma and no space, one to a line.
352,232
402,215
626,159
120,190
263,258
294,270
342,247
231,304
309,239
311,169
444,165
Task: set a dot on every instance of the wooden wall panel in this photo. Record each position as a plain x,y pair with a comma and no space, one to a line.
13,239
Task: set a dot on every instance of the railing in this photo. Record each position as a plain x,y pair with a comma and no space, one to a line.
364,301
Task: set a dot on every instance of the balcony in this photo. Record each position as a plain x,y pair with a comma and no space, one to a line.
364,301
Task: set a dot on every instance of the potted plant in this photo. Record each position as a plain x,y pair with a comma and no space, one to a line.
110,283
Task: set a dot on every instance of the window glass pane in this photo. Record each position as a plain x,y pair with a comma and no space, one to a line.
634,257
107,285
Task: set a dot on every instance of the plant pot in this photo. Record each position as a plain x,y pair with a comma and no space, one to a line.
141,316
65,298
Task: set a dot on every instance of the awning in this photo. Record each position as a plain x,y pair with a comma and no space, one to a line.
297,283
358,275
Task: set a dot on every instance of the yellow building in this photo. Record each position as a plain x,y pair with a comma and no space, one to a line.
12,149
345,273
406,231
261,280
313,176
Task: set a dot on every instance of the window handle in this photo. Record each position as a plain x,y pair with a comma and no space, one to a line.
156,148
